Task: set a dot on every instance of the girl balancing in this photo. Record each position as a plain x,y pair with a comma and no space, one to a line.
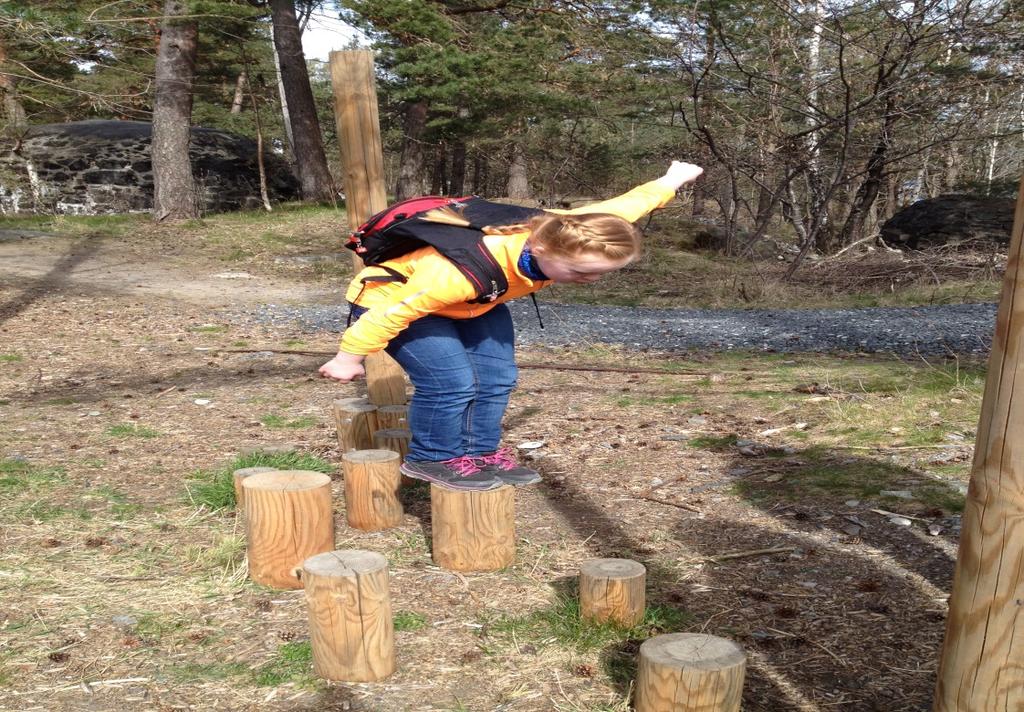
460,353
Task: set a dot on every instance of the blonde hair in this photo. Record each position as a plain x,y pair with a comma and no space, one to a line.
565,236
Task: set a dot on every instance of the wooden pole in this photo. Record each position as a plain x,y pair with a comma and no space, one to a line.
980,664
351,629
288,518
689,672
473,531
362,159
613,591
372,481
241,474
393,417
356,423
396,439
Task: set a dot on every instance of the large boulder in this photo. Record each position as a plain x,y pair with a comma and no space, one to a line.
99,167
950,220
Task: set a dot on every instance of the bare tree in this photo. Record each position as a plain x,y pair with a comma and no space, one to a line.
174,187
307,141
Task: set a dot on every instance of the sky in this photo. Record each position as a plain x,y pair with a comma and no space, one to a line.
325,33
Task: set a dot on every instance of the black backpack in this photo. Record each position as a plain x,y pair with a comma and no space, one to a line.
400,229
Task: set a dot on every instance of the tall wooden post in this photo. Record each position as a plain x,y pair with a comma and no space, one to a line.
980,665
362,158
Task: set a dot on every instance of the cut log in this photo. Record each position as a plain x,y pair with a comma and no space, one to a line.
356,423
240,475
690,672
288,518
372,481
396,439
393,417
385,381
473,531
613,591
351,629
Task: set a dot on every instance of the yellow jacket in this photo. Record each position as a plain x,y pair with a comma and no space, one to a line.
435,285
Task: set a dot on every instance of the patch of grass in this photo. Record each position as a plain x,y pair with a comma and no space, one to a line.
11,358
154,626
131,430
279,422
408,620
294,343
61,401
21,476
209,328
39,511
562,624
293,663
206,672
674,399
215,489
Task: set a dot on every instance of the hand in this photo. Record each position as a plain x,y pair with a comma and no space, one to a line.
344,368
679,174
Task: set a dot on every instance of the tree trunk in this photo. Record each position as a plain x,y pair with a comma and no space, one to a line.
439,178
236,103
310,160
412,164
518,183
174,188
13,112
458,178
478,170
869,189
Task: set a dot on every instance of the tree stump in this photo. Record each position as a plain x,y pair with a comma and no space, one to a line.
356,423
350,624
393,417
288,518
240,475
372,481
395,439
613,591
689,672
473,531
385,380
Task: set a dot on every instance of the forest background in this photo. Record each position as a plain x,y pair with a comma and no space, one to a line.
814,119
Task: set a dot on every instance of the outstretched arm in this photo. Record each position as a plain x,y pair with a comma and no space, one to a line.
644,198
679,174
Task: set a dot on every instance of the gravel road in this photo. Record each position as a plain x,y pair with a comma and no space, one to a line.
959,329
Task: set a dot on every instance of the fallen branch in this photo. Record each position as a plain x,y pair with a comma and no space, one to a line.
658,500
752,552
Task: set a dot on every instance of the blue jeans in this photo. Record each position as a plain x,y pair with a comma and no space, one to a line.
463,371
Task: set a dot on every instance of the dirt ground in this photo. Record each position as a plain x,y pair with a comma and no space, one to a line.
118,593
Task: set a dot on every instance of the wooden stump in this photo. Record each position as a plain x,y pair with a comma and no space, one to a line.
473,531
689,672
393,417
395,439
240,475
288,518
350,624
613,591
372,481
356,423
385,380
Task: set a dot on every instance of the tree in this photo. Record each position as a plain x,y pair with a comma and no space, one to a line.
174,188
307,140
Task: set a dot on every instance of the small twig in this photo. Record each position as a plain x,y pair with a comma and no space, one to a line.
165,392
752,552
885,513
901,447
687,507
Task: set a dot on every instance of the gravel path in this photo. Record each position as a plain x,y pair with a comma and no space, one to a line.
959,329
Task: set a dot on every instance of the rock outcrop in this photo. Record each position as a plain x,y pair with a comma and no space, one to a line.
950,220
101,167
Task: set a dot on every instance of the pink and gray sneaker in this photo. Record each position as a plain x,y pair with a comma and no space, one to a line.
502,465
459,473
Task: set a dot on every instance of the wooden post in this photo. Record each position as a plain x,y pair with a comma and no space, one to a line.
473,531
393,417
689,672
396,439
362,158
980,664
372,481
350,624
356,423
240,475
288,518
613,591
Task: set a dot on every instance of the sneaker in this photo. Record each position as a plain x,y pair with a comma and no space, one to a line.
459,473
502,464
